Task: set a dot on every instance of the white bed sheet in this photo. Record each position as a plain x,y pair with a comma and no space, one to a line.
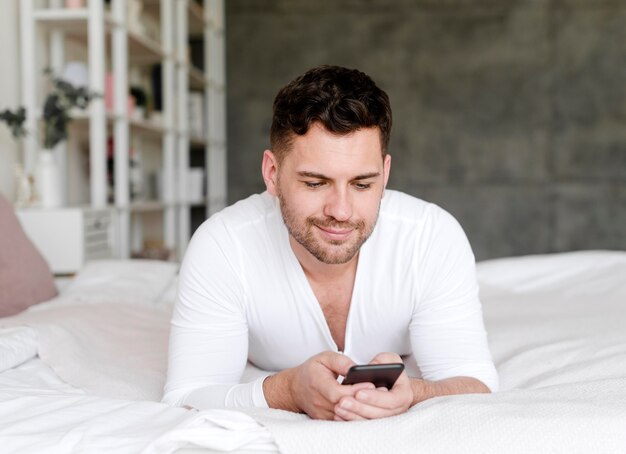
557,330
39,412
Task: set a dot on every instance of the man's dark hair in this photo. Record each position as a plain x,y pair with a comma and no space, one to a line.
342,100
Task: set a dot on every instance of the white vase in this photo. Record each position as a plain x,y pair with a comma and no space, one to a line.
48,180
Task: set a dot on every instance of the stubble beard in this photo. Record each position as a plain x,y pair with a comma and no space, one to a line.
333,252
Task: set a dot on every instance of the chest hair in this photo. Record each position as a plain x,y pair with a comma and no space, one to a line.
334,300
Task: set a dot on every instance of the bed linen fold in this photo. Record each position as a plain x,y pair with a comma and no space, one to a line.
59,422
17,345
556,331
107,349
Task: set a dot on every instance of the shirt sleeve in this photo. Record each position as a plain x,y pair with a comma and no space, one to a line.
448,336
208,347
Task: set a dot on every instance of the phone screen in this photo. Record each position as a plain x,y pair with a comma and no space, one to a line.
378,374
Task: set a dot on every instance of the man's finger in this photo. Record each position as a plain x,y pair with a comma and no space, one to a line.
334,393
336,362
353,409
359,386
386,358
347,415
378,398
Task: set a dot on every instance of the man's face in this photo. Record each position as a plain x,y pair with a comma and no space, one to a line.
330,188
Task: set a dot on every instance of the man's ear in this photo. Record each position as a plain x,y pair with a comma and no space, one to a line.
386,168
269,169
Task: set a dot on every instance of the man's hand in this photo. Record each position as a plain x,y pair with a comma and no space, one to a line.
380,402
312,387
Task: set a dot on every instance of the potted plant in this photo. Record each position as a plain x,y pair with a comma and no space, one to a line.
63,99
15,121
58,107
24,183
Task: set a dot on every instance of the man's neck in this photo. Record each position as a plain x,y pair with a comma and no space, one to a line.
322,272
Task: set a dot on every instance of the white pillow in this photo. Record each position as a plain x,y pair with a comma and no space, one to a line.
121,281
549,271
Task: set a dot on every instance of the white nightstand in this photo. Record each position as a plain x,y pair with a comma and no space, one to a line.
69,237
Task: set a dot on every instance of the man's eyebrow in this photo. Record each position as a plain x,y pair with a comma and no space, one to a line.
320,176
366,176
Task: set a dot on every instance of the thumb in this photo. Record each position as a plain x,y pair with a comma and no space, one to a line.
337,363
386,358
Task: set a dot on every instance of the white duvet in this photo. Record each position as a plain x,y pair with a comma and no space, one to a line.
557,330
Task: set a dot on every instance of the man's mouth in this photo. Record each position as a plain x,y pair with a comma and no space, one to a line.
334,233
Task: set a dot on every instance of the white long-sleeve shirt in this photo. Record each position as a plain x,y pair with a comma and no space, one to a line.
243,296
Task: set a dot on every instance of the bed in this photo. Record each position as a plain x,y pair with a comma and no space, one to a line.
83,372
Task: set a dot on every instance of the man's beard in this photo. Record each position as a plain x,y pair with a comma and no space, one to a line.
334,252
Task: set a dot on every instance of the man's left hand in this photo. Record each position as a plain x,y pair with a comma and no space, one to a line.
380,402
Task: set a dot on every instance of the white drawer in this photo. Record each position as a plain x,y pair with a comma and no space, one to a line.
69,237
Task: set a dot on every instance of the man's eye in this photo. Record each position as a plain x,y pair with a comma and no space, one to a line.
362,186
313,184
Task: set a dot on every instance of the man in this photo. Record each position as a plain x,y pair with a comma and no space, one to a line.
327,269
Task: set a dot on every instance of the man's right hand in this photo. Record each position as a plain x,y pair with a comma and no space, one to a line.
312,387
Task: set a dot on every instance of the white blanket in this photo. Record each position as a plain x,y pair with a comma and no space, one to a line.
16,346
44,420
556,327
588,417
115,356
109,350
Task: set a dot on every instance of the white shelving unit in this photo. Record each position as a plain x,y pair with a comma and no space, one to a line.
208,23
113,45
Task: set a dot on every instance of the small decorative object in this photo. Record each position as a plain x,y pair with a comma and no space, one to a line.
24,188
141,101
195,185
135,175
24,185
133,17
58,106
73,4
56,117
48,180
153,249
76,73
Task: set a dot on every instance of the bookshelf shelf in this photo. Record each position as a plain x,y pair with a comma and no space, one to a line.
114,45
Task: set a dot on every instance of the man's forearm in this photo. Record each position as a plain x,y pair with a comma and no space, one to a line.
424,389
277,391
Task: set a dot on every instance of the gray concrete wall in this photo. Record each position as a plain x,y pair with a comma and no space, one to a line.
509,114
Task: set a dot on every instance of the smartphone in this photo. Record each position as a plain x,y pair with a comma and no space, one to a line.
378,374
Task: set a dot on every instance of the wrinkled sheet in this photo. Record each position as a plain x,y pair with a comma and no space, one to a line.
47,415
97,385
557,330
109,350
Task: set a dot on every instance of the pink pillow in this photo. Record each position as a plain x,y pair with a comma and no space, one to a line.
25,277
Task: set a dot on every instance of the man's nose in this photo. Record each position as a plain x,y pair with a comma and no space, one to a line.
338,205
